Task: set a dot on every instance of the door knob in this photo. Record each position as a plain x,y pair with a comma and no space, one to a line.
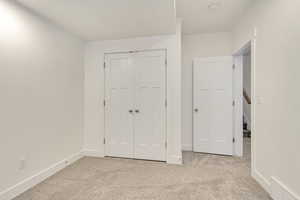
130,111
137,111
196,110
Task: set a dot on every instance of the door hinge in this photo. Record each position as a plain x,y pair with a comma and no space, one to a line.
233,140
104,103
233,103
103,140
233,67
166,144
166,103
166,62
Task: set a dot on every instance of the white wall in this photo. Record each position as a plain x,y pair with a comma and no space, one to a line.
41,99
277,91
247,87
94,90
205,45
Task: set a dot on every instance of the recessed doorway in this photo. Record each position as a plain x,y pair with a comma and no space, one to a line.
243,91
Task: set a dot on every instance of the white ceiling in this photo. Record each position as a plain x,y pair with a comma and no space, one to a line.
116,19
108,19
198,18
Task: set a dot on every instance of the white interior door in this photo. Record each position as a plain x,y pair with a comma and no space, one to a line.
135,111
213,109
119,123
150,110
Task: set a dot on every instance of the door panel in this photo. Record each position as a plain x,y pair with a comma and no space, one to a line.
119,101
213,105
150,133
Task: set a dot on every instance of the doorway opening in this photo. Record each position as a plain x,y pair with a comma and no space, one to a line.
243,93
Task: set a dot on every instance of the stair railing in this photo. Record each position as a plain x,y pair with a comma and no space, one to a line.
247,98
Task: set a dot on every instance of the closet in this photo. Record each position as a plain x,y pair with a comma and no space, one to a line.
135,105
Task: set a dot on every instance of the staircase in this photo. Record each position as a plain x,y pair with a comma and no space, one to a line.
246,128
247,115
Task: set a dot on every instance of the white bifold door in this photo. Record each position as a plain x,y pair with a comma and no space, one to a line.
135,112
213,105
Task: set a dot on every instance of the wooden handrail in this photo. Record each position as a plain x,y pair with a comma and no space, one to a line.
247,98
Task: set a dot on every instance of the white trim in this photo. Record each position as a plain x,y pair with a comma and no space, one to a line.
251,43
29,182
244,48
275,187
174,159
133,51
237,88
253,105
261,180
280,191
212,59
187,147
92,153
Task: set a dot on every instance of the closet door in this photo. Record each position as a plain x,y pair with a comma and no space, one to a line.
119,105
150,110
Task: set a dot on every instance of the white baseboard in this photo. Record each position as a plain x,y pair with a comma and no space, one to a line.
276,189
187,147
92,153
174,159
262,180
279,191
28,183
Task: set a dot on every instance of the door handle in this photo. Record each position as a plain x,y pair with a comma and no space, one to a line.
130,111
137,111
196,110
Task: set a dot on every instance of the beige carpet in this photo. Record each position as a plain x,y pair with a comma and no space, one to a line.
202,177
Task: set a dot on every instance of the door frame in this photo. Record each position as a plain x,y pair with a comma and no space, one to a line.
237,78
105,92
239,144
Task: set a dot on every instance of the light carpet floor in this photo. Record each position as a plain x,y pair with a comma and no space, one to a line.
202,177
